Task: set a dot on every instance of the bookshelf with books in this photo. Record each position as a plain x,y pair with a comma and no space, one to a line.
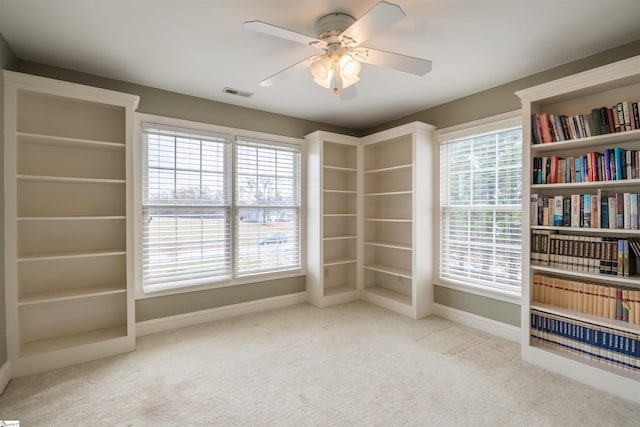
68,244
581,283
333,275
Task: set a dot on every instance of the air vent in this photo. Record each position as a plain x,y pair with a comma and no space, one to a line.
237,92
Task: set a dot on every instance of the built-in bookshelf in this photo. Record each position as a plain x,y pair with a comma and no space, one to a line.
333,192
364,196
581,287
398,169
67,246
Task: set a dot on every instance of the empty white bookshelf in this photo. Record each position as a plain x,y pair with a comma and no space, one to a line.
364,198
68,244
398,175
332,218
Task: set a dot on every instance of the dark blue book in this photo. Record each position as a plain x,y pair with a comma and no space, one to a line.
604,212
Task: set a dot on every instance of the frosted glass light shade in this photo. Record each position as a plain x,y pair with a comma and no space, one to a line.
322,71
349,70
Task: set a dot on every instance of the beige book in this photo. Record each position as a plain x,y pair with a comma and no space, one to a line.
600,300
612,303
535,288
636,304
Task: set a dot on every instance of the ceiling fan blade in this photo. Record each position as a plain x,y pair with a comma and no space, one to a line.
273,30
408,64
377,19
281,75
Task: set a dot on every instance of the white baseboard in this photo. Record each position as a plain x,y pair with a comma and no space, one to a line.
5,375
503,330
181,320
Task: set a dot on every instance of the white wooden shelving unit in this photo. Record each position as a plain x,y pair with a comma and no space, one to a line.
578,94
370,218
332,218
398,204
68,242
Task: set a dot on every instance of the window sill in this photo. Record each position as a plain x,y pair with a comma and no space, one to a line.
480,290
142,294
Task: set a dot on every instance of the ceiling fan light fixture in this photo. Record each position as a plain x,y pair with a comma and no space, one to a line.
341,72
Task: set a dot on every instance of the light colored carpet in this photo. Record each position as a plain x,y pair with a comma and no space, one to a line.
353,364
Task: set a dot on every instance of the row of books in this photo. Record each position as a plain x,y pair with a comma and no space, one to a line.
619,210
613,164
599,343
621,117
611,302
586,254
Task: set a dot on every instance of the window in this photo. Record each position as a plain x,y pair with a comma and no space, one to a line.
268,205
481,206
217,207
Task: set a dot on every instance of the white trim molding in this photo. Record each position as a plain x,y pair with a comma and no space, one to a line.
153,326
493,327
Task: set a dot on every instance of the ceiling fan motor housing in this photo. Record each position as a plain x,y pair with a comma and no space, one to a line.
332,25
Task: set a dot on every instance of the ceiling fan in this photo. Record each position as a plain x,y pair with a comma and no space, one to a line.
339,36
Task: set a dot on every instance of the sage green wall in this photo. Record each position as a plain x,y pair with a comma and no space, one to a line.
487,103
482,306
154,308
8,62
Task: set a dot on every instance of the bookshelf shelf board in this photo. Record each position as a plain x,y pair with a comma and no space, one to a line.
584,317
340,191
339,261
395,271
389,220
346,237
393,245
388,294
335,215
340,168
74,340
593,141
633,281
389,193
68,180
337,290
65,255
586,185
31,138
607,231
621,373
389,169
70,294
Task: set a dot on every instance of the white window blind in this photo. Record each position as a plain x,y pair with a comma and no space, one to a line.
186,207
267,204
481,209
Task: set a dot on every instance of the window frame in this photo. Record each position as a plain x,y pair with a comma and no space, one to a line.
138,167
486,125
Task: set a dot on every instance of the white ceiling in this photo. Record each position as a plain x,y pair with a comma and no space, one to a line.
197,47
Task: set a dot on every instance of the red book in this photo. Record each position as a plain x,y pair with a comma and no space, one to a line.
544,125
